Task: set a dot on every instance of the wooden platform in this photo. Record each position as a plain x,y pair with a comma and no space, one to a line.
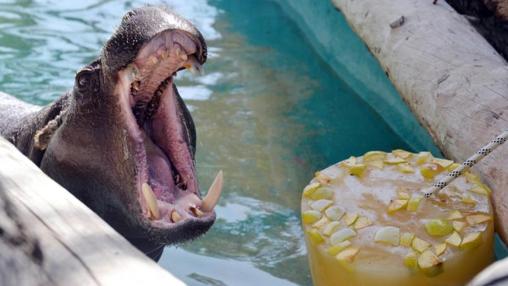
48,237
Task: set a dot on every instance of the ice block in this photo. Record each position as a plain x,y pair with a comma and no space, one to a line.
366,222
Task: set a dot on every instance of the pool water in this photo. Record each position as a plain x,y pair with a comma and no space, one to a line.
268,110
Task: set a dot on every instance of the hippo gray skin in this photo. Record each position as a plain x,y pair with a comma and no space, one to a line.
122,140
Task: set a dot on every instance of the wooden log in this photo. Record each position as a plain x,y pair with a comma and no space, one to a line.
452,79
48,237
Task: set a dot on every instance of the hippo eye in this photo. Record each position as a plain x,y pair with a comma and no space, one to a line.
83,81
86,81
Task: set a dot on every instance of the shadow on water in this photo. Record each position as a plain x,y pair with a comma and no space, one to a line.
269,112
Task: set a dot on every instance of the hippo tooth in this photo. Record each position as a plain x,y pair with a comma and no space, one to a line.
135,85
175,216
193,66
197,212
153,60
151,201
213,195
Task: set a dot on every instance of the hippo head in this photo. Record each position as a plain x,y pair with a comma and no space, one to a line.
126,143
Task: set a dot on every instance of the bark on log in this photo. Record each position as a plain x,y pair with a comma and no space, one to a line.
452,79
48,237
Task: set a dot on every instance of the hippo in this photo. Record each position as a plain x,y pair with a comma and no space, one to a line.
122,139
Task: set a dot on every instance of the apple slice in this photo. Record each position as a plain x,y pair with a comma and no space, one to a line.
334,250
310,216
389,235
454,239
334,212
430,264
438,227
419,244
471,240
341,235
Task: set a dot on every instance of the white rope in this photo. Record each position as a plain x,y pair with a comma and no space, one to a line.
470,162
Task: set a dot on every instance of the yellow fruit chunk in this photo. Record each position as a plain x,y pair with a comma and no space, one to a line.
477,219
350,218
310,216
472,178
423,157
479,189
455,215
388,234
411,260
393,160
323,179
467,199
322,193
334,212
310,189
320,205
471,240
403,195
357,169
454,239
353,167
429,263
362,222
315,236
378,164
331,228
341,235
414,202
374,156
419,244
334,250
430,170
486,188
443,163
438,227
396,205
452,167
458,225
349,162
347,256
320,223
402,153
405,168
440,248
406,238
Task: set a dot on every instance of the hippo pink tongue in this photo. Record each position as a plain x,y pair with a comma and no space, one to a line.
159,171
168,133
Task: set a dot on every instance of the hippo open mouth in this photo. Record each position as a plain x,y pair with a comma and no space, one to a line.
167,186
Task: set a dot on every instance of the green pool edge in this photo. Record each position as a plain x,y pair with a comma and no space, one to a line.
326,30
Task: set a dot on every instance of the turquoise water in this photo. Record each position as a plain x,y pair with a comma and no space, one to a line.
269,112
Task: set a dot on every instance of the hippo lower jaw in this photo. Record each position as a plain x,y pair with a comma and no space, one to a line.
168,194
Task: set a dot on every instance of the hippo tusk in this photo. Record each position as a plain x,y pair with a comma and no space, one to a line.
213,195
151,201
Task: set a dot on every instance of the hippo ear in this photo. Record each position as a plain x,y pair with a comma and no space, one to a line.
88,79
43,135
